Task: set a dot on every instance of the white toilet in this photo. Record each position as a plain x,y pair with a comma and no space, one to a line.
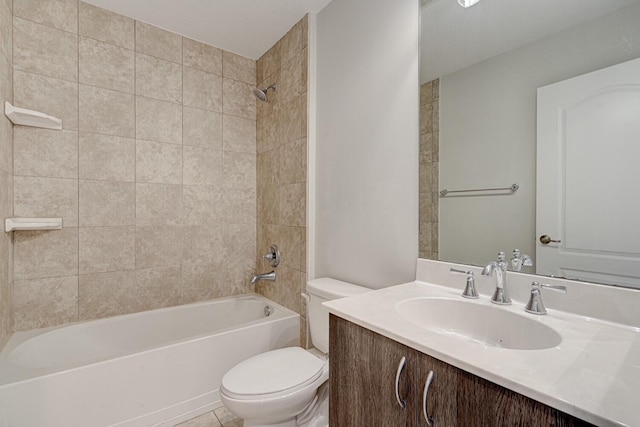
280,388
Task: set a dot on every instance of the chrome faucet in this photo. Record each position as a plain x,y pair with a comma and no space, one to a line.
500,296
518,261
268,276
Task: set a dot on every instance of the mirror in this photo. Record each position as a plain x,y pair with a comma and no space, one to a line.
481,68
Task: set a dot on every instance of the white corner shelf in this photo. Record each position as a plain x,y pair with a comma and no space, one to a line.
32,224
24,117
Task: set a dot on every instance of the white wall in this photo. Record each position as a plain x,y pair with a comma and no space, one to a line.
366,158
488,132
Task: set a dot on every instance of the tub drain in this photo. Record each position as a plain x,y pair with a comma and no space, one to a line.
267,311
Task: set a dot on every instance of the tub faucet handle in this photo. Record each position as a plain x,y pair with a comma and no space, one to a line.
273,256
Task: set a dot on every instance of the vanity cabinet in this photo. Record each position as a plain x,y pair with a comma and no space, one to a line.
362,389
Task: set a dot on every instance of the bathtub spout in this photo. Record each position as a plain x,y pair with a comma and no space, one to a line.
269,276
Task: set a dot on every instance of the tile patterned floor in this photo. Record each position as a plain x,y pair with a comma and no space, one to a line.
219,417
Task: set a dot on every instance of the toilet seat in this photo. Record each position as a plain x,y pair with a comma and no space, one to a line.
273,374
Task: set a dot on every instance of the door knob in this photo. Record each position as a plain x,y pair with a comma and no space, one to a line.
545,240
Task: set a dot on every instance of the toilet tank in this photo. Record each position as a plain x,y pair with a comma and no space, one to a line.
319,291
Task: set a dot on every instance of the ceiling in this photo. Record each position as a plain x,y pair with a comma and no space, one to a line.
245,27
454,38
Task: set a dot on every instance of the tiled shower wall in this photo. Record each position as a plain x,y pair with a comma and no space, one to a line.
429,168
154,173
282,166
6,171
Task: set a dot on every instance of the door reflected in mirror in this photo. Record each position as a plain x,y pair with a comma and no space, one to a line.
482,70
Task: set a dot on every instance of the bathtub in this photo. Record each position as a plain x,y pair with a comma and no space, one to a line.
158,367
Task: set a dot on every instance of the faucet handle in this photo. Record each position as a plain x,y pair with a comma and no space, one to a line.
470,290
535,304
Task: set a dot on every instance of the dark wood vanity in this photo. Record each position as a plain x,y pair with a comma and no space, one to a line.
363,371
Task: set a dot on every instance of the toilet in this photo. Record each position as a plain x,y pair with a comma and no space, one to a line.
286,387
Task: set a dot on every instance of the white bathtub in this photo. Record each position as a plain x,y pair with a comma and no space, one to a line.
157,367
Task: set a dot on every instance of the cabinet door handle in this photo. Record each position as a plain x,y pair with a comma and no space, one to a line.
425,396
401,365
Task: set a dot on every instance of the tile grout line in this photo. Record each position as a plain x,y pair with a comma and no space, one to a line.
78,149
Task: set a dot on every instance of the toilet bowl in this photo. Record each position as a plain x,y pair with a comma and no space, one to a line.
279,388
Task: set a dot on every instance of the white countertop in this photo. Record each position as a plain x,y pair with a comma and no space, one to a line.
594,374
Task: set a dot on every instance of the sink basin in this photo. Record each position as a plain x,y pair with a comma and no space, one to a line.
486,325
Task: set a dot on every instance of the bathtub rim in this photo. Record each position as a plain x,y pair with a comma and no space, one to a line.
11,374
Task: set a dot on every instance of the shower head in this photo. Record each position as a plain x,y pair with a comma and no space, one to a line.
261,94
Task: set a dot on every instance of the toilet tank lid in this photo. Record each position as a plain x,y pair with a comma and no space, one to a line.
332,289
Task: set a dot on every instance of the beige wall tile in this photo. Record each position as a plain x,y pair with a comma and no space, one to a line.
435,147
203,205
6,145
106,112
158,121
45,302
6,128
240,243
157,162
39,254
267,133
46,197
304,31
158,287
291,204
289,121
239,170
291,43
55,97
202,56
158,247
426,93
60,14
239,99
289,162
239,205
106,294
45,153
426,118
293,77
202,128
268,64
44,50
426,148
239,134
159,43
107,158
158,79
107,203
202,90
158,204
202,166
6,30
107,249
104,25
202,281
105,65
238,67
203,244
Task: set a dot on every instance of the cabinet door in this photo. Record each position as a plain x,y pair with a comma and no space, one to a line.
483,403
362,373
441,396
